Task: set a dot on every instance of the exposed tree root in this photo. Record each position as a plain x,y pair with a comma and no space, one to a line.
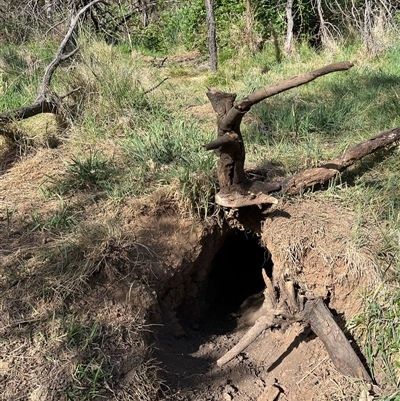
286,304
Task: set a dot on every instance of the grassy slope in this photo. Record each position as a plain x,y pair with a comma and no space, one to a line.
122,144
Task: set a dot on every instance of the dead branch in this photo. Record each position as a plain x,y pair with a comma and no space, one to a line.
320,175
229,144
263,323
261,94
47,101
155,86
287,304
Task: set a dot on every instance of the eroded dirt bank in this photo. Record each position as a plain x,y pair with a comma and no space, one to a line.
210,312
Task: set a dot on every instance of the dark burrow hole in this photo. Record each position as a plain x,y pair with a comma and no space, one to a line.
235,275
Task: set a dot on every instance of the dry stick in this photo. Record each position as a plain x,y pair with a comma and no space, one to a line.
155,86
46,100
322,323
320,175
312,370
262,323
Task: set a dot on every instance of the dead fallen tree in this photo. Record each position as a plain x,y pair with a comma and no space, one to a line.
47,100
285,304
316,177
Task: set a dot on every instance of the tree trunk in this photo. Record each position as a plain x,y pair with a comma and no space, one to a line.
212,34
323,32
289,32
229,144
144,11
249,27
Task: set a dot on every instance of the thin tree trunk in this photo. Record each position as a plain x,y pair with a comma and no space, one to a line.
322,25
289,32
144,11
212,34
249,27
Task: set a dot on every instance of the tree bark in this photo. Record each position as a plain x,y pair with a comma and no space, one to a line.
249,26
212,34
321,321
289,32
229,144
323,31
315,177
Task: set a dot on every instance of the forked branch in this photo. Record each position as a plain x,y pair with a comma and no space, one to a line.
47,101
229,145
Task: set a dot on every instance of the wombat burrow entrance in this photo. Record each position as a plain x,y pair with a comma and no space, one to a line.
234,276
201,327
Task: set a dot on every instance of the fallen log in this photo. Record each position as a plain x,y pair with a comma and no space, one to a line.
318,176
47,101
308,179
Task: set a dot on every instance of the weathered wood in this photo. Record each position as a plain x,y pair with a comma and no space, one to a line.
262,323
46,100
261,94
231,175
34,109
320,175
286,305
321,321
236,200
221,140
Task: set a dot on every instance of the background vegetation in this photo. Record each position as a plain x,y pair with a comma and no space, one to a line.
121,140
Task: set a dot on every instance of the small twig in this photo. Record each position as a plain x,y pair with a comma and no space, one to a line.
162,62
312,370
156,86
67,56
22,321
71,92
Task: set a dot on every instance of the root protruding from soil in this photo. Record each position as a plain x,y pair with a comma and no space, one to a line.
285,304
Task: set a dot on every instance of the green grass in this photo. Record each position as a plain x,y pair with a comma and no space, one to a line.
63,219
166,151
88,173
378,327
